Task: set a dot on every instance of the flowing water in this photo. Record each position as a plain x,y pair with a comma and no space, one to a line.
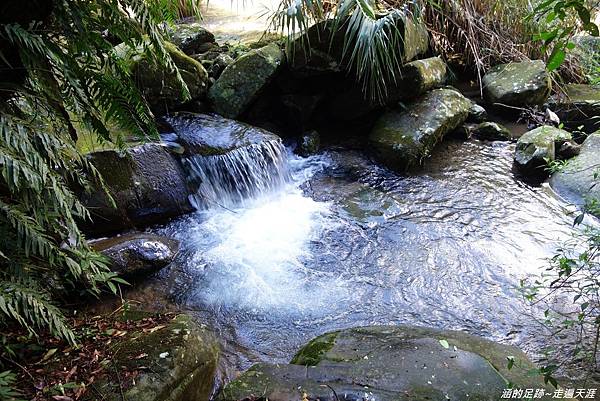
333,241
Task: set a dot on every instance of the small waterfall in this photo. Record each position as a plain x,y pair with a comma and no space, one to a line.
244,173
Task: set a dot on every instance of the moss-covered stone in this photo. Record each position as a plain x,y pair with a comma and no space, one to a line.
402,139
578,106
538,147
491,131
390,363
577,182
178,363
416,78
192,38
241,81
517,84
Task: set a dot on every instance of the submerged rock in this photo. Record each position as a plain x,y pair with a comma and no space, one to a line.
576,182
211,134
538,147
401,139
147,184
138,254
176,363
517,84
192,38
579,107
491,131
241,81
389,363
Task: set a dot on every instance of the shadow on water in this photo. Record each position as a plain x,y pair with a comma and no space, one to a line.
347,243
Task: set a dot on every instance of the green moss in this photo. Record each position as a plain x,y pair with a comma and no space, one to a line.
312,353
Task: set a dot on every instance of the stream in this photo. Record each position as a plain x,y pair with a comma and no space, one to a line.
339,242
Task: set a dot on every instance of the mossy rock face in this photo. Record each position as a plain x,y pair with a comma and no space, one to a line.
579,106
192,38
242,81
138,254
576,182
491,131
517,84
417,77
180,364
402,139
147,184
390,363
538,146
160,87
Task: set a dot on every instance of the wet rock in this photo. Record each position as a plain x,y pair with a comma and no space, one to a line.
389,363
517,84
147,184
160,88
537,147
402,139
491,131
477,114
308,144
176,363
576,182
417,77
219,64
138,254
568,150
211,134
579,107
192,38
241,82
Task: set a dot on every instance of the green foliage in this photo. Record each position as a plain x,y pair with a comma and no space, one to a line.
7,382
58,71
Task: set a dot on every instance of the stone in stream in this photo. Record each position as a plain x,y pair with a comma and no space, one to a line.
160,87
147,184
390,363
576,182
491,131
418,77
308,144
578,107
192,38
137,254
242,81
402,139
537,147
211,134
477,114
517,84
176,363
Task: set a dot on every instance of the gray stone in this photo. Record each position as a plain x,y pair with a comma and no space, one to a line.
147,184
576,182
477,114
137,254
491,131
537,147
517,84
418,77
402,139
390,363
579,106
241,81
192,38
211,134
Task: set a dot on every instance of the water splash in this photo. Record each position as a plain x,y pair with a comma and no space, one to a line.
235,177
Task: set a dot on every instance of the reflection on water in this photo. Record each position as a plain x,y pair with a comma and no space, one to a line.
348,243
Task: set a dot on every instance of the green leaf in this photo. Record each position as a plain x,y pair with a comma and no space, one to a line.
511,362
556,59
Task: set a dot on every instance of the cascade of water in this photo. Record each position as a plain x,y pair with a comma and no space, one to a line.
241,174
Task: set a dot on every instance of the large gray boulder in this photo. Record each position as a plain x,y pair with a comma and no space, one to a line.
578,107
137,254
517,84
177,362
418,77
242,81
147,184
536,148
390,363
211,134
579,181
402,139
192,38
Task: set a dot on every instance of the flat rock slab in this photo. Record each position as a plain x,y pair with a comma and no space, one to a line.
389,363
517,84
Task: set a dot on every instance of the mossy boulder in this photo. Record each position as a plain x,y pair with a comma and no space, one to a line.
517,84
579,106
491,131
537,147
178,362
243,80
418,77
390,363
402,139
137,255
147,184
576,182
192,38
